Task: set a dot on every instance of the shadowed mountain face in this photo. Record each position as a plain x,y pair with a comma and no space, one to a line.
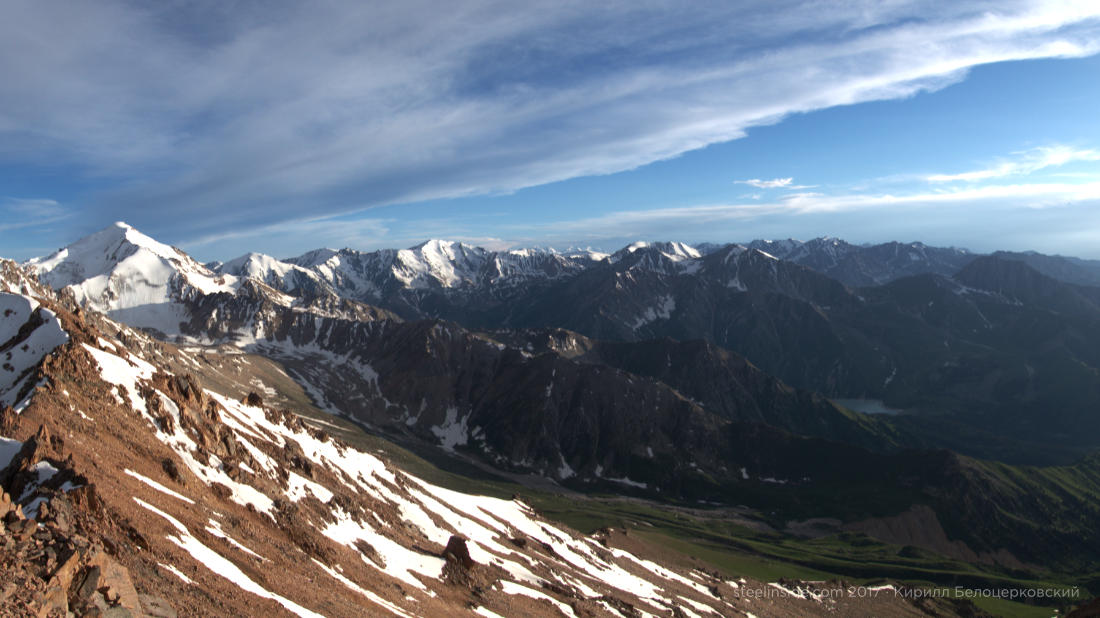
1068,269
985,356
998,360
765,309
859,266
585,419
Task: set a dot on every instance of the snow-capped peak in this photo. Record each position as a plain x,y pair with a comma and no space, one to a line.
314,258
778,248
256,265
442,262
437,245
283,276
99,253
673,251
120,271
679,251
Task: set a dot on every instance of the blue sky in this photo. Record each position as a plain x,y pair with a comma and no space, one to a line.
281,127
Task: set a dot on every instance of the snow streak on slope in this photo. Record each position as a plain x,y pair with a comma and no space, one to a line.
132,375
223,567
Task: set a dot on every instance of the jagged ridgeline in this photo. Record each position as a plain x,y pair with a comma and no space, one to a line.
708,376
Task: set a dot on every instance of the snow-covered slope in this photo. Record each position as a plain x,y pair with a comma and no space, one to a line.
778,248
448,267
439,262
661,258
431,264
130,276
675,251
28,332
146,284
280,275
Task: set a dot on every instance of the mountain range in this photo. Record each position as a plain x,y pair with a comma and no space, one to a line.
129,489
721,374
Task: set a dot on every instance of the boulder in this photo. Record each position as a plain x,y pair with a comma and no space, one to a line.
457,550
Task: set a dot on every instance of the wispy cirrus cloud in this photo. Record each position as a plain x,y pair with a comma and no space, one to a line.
222,115
320,231
774,183
1023,163
21,213
733,220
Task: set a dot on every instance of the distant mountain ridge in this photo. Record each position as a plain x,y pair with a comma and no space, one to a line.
1068,269
440,383
404,279
435,264
956,349
858,266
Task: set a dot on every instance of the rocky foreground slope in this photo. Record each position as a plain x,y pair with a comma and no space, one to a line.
133,490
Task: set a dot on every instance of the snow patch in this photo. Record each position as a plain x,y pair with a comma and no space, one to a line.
663,310
299,487
157,486
215,529
8,450
374,598
453,432
174,571
222,567
514,589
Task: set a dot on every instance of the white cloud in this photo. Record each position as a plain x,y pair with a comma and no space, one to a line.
705,219
221,115
22,213
33,207
1023,163
293,237
774,183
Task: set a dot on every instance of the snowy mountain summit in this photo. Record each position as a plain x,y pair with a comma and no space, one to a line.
453,268
130,276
